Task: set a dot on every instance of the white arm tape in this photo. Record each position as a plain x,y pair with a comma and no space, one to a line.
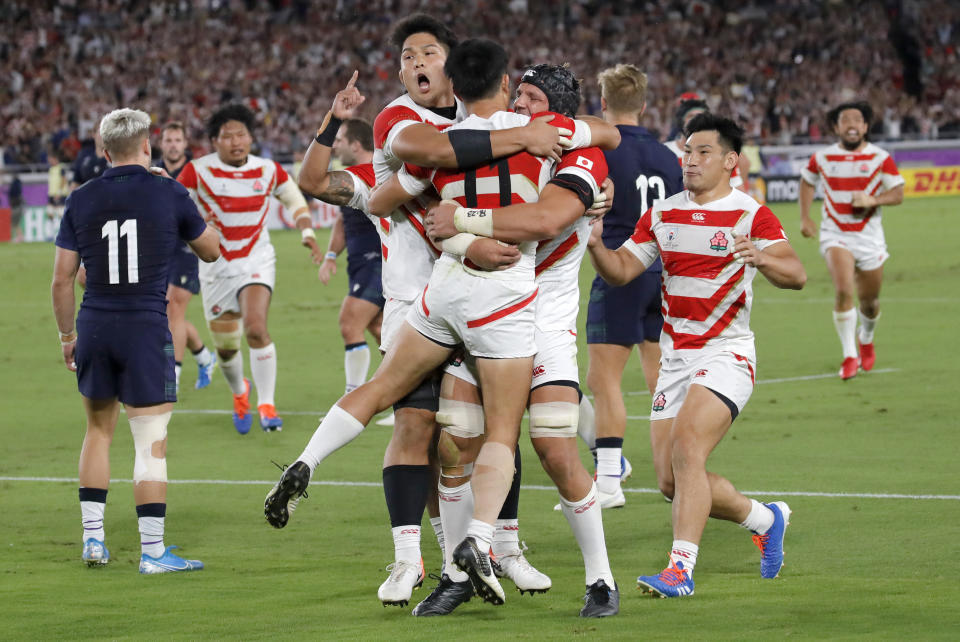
554,419
457,245
582,137
289,194
474,221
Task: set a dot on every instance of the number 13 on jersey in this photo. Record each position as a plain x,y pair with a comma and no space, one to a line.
645,184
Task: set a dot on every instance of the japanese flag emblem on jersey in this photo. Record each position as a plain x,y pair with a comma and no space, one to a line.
719,242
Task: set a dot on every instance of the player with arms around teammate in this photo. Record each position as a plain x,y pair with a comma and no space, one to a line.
858,178
184,276
362,308
713,240
232,188
124,226
644,172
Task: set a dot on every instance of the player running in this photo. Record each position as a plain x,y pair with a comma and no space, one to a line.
232,187
713,240
183,275
124,225
858,177
690,106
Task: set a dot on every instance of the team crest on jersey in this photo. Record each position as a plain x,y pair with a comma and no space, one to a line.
257,186
215,309
671,237
864,168
660,401
719,242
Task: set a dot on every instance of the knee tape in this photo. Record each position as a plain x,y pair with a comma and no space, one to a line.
449,454
148,431
498,457
229,340
554,419
460,418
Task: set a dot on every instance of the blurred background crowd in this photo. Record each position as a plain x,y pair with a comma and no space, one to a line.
777,66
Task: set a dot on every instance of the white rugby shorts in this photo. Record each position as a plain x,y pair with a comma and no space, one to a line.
222,280
492,318
556,360
729,374
868,246
394,313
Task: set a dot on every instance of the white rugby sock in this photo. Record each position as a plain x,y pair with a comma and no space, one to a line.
506,537
608,469
92,515
203,356
263,368
587,428
356,362
151,535
456,510
233,372
337,429
586,522
177,368
406,543
482,533
867,326
846,324
437,524
760,518
686,553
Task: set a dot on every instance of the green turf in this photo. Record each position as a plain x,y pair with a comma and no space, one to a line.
875,568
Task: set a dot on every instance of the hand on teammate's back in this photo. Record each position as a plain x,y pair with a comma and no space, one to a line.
542,138
603,202
596,232
492,255
347,99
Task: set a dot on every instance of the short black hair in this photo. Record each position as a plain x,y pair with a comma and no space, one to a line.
422,23
728,132
476,68
233,111
833,116
359,131
686,107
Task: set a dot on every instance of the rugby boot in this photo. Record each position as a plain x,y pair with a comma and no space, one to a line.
516,567
445,598
601,600
849,368
771,542
242,419
269,420
286,494
868,356
476,563
398,587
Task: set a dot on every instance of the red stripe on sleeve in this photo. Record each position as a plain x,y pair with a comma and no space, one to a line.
387,119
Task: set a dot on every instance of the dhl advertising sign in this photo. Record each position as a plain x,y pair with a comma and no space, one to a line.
931,181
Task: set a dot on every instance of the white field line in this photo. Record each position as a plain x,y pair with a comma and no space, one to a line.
828,300
319,413
654,491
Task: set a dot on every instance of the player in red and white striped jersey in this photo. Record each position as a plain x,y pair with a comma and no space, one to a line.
713,240
232,189
858,177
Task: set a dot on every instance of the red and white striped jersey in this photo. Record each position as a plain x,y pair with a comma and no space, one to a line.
735,179
363,183
557,267
235,199
706,294
408,247
869,170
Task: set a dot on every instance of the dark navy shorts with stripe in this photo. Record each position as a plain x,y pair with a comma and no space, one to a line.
184,270
127,355
366,282
625,315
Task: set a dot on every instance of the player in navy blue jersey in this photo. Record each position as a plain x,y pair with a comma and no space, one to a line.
184,274
124,225
618,318
362,308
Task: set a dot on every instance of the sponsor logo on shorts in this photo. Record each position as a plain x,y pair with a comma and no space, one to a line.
660,401
701,373
539,370
719,242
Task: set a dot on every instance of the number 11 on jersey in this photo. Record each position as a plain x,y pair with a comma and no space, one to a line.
112,232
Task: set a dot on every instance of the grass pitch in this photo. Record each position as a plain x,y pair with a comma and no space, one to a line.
868,467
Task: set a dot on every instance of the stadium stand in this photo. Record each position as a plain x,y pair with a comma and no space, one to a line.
775,65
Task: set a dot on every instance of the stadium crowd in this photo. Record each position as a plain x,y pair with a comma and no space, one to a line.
775,65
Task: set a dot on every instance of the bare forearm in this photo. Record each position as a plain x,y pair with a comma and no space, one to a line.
602,134
338,239
614,267
785,272
64,304
891,196
806,198
314,173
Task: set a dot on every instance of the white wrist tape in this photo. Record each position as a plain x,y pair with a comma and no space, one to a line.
582,137
474,221
307,233
457,245
149,433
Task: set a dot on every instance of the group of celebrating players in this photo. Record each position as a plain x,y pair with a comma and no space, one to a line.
484,212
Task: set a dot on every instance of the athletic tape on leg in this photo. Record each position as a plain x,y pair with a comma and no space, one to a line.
554,419
148,431
229,340
460,418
